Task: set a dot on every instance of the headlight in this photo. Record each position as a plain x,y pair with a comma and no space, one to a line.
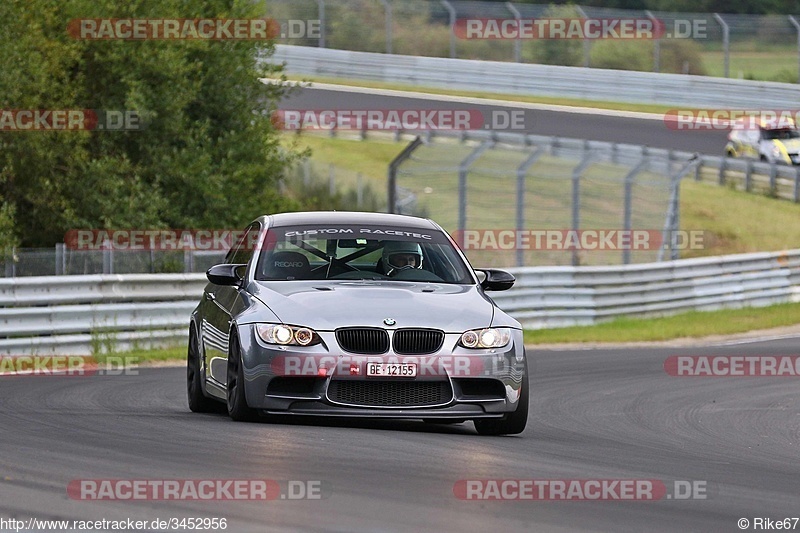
485,338
776,152
287,335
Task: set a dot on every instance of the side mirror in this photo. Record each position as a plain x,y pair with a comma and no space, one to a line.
497,280
226,274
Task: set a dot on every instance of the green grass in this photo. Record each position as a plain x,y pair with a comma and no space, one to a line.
736,221
692,324
758,65
172,353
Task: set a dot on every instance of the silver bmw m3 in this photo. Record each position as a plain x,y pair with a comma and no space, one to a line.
356,315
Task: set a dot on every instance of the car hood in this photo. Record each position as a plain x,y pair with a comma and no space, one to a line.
792,145
328,305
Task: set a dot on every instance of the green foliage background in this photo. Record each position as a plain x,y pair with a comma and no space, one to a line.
208,157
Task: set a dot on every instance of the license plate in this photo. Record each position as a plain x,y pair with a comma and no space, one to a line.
400,370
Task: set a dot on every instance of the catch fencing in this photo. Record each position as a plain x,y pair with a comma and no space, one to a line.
720,44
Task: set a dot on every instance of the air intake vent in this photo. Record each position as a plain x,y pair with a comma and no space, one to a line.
417,341
390,393
363,340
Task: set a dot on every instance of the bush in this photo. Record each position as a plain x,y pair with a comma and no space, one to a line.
622,55
556,51
677,54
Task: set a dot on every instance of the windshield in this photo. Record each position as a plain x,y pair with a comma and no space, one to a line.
781,134
294,253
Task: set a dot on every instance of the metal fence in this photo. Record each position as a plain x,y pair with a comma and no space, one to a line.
86,314
734,44
540,80
478,182
61,260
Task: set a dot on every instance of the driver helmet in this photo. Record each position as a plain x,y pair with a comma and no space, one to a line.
401,255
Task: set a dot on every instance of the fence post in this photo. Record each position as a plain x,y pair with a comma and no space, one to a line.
672,223
11,267
627,209
392,177
657,43
587,51
576,198
797,27
60,259
452,14
522,170
463,170
796,185
726,42
388,9
331,180
359,191
321,11
517,41
773,173
722,166
748,176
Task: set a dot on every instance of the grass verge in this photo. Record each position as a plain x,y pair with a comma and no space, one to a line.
171,353
692,324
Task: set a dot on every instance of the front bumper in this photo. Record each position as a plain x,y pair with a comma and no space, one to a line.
307,380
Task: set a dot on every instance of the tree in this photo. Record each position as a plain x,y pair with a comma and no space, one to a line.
208,156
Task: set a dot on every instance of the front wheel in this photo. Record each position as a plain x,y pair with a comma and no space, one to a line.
238,409
510,424
198,402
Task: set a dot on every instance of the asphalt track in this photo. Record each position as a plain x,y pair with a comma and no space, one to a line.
595,414
612,127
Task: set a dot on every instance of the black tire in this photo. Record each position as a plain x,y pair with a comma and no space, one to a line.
510,424
238,409
198,402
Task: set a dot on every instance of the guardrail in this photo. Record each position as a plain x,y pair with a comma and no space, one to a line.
76,314
564,296
539,80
